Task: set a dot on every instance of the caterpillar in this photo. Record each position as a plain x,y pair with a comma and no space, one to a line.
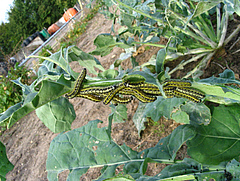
178,93
111,94
177,83
77,85
140,95
97,90
169,91
146,88
91,97
191,92
121,100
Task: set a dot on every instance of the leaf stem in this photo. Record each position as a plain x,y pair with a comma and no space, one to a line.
201,64
224,29
182,64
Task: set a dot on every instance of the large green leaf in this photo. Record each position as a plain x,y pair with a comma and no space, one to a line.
196,113
85,147
204,6
63,57
57,115
90,146
5,164
166,148
48,92
160,60
219,89
222,135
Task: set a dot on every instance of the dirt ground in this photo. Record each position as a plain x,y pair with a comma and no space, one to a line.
27,142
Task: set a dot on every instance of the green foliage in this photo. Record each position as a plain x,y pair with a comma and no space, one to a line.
45,53
57,115
205,126
10,93
223,132
27,17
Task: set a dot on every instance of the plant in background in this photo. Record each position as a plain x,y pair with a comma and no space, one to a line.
46,52
205,126
188,25
10,93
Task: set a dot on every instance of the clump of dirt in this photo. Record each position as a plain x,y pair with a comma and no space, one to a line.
27,142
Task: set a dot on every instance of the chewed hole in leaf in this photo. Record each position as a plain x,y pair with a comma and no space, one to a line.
94,148
63,175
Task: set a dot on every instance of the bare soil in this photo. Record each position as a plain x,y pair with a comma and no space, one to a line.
27,142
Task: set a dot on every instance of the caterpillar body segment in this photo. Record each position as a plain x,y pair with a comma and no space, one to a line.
146,88
91,97
77,85
177,83
97,90
169,91
140,95
191,92
121,100
111,94
177,93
